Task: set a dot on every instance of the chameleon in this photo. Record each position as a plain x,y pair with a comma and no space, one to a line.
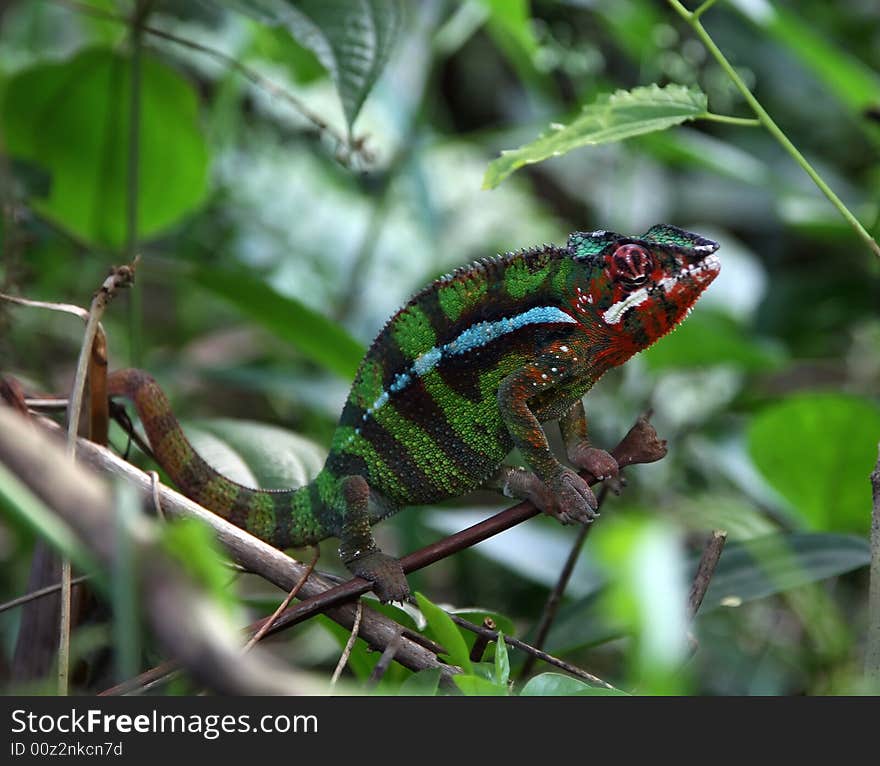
468,369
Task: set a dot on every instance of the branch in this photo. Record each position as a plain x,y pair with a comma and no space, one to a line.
41,593
705,570
262,559
640,445
551,607
492,635
185,621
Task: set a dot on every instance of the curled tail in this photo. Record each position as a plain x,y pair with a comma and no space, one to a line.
282,518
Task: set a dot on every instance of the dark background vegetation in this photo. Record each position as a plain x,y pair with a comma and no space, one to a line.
253,223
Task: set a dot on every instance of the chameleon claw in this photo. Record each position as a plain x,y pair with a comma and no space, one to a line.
574,500
384,572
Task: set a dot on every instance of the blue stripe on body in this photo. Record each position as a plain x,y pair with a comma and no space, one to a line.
476,336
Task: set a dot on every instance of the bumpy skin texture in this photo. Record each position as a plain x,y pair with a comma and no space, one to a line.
467,370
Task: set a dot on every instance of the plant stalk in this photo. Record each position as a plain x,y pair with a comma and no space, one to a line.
693,20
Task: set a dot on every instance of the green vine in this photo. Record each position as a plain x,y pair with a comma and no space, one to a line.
693,20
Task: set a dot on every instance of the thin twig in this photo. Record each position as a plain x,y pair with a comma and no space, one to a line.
154,491
349,645
693,19
316,552
381,667
872,643
705,570
551,607
482,641
67,308
36,594
492,635
119,277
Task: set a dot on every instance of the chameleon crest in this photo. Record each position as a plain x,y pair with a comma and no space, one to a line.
468,369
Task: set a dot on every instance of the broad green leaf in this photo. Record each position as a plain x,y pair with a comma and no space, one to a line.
445,632
817,450
351,38
502,662
558,685
72,118
474,686
610,118
316,337
710,337
772,564
399,614
256,454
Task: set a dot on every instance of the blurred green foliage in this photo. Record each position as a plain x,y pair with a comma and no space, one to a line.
275,245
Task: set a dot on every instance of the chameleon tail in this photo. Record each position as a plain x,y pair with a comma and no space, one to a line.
282,518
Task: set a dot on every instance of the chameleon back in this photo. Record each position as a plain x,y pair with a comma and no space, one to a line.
422,421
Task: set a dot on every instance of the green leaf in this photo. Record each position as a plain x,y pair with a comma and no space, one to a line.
474,686
421,684
275,44
610,118
194,545
351,38
513,18
316,337
72,118
763,566
361,660
256,454
558,685
710,337
502,661
817,451
445,632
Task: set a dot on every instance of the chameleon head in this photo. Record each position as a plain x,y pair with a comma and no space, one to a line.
640,288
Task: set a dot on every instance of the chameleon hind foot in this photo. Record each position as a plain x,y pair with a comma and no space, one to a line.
386,574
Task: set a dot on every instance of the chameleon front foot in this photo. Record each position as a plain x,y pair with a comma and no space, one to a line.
567,498
573,500
386,574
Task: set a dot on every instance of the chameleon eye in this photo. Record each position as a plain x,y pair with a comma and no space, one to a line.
632,266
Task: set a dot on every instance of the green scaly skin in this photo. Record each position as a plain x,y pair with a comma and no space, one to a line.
467,370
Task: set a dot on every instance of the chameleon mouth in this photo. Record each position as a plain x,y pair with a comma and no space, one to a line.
701,249
710,265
